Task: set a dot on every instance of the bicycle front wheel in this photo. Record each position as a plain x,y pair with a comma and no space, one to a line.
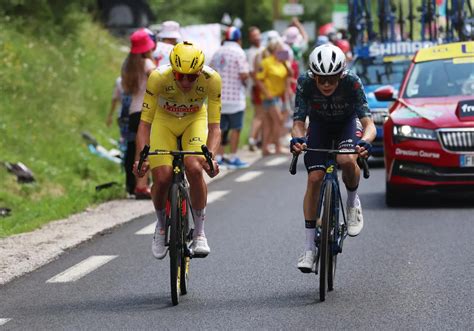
175,243
325,248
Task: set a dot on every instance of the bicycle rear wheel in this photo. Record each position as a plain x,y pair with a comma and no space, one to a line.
325,248
184,270
175,244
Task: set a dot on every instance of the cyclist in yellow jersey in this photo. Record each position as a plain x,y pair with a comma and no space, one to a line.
181,99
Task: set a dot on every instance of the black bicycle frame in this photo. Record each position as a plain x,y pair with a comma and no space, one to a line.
330,178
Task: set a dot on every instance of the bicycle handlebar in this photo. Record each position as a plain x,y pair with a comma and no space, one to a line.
360,161
146,151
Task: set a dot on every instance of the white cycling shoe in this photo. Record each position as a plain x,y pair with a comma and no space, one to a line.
158,247
355,220
200,247
307,262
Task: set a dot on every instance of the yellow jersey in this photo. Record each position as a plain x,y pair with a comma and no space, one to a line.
273,74
163,98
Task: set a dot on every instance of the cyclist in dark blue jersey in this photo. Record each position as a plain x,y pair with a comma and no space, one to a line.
334,100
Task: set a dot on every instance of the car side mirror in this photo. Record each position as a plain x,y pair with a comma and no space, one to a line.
386,93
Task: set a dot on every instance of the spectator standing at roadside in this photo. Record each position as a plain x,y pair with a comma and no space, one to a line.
116,100
135,70
231,63
168,36
255,39
296,37
272,79
118,97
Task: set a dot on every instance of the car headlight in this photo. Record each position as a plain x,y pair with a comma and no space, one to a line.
406,132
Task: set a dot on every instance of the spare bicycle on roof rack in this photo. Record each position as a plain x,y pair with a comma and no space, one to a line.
384,46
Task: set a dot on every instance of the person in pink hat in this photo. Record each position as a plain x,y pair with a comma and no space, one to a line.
135,71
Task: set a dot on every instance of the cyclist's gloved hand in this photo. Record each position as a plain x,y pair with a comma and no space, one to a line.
296,144
366,146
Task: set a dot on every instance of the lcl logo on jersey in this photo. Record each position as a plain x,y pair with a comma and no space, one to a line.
195,141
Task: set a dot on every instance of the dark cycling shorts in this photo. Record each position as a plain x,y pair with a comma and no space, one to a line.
321,134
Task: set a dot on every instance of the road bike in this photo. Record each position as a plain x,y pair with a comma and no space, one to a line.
178,229
330,234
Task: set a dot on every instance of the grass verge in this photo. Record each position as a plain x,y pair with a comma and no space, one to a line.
54,88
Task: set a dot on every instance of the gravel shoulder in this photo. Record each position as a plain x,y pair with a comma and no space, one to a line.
23,253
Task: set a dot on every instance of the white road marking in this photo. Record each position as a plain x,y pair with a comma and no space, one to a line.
277,161
81,269
211,197
215,195
149,229
4,320
249,175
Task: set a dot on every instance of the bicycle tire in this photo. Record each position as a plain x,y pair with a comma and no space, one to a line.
185,259
324,244
174,244
332,259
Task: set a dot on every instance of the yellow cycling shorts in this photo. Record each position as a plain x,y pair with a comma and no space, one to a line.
165,130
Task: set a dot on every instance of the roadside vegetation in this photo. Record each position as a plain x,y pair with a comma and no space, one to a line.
57,77
56,82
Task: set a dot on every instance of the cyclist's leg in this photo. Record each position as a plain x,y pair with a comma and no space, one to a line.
315,165
350,133
160,138
193,137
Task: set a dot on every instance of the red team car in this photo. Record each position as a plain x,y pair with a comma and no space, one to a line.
429,134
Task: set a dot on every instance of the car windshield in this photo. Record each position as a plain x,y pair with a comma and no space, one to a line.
374,71
441,78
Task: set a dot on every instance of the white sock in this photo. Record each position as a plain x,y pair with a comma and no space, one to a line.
351,197
199,217
232,157
310,231
309,243
161,216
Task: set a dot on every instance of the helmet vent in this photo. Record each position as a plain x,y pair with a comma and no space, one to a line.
193,63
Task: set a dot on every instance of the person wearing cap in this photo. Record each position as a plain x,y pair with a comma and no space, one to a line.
231,63
168,37
135,70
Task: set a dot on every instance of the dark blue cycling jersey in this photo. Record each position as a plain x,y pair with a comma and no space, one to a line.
348,99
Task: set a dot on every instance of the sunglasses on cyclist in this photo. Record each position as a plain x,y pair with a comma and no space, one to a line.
189,77
331,80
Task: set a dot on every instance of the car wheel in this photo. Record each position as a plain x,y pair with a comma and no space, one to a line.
393,197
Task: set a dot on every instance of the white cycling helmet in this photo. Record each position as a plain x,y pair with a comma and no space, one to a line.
326,60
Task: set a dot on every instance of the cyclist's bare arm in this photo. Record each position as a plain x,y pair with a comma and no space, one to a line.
214,137
298,130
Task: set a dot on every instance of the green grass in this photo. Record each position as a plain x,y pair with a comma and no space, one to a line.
52,89
248,116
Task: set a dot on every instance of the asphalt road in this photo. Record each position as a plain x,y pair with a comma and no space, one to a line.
410,268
